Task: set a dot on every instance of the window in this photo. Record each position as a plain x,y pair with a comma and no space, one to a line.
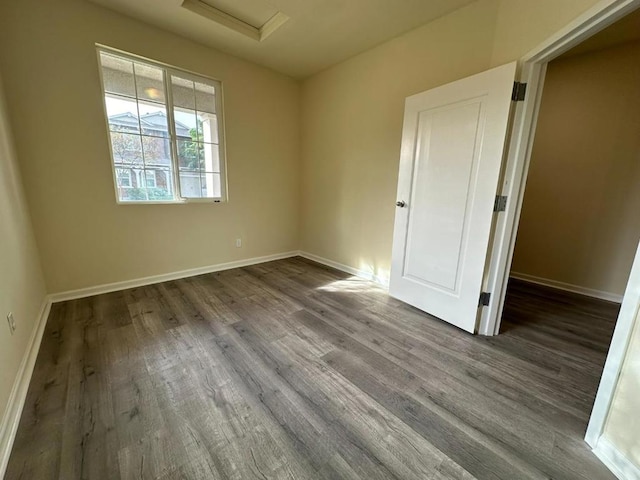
165,131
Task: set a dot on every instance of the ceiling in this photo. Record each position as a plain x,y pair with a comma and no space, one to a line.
627,29
308,36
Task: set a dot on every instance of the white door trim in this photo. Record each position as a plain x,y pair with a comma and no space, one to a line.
533,68
517,165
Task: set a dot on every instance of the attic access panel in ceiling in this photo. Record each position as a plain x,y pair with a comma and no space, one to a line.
255,19
254,12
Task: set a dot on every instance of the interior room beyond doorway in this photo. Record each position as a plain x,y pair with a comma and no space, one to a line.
579,228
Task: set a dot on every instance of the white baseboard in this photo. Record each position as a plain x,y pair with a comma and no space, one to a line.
615,461
140,282
18,395
568,287
165,277
368,275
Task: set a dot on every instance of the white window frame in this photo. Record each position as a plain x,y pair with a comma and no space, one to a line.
167,71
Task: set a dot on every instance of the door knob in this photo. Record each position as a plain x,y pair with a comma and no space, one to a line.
401,203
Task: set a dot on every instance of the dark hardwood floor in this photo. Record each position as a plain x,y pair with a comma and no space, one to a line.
292,370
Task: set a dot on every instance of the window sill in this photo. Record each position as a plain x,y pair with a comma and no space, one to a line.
173,202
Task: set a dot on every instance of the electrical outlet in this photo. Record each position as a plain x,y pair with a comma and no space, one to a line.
12,323
238,242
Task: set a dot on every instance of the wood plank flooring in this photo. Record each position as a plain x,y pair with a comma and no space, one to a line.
291,370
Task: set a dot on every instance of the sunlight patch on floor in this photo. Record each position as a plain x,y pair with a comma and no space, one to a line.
352,285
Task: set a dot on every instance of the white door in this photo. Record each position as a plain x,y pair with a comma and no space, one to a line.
452,148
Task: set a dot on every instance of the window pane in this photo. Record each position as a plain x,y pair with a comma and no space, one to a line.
158,180
136,191
211,185
183,94
199,169
199,126
211,154
208,125
133,195
157,151
205,97
186,123
191,166
149,83
156,185
164,179
127,149
122,114
150,178
153,119
117,75
188,155
123,177
190,184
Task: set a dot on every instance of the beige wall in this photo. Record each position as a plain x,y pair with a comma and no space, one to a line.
580,222
352,118
522,25
22,289
352,122
48,56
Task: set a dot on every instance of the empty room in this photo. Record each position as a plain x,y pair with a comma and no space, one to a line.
278,239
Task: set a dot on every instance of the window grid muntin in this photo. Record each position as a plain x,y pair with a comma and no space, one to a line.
143,176
168,95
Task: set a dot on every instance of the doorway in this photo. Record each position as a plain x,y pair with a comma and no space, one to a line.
579,228
609,286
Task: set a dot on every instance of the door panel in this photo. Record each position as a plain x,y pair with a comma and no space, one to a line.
447,141
453,138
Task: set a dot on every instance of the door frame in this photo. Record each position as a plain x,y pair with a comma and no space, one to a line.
533,68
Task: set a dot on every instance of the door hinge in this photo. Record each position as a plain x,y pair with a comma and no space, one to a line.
519,91
500,203
484,299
